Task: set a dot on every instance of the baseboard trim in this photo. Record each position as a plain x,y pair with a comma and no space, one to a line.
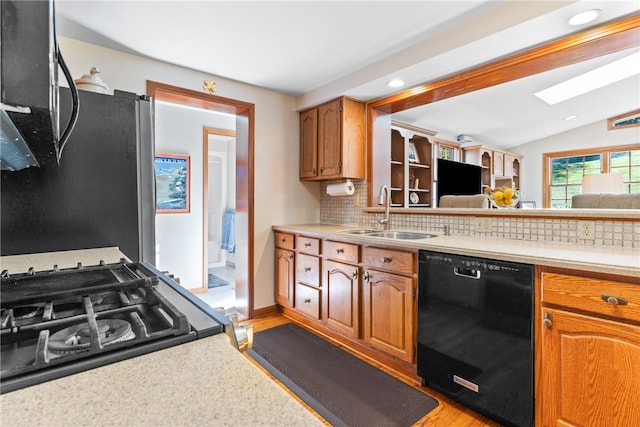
265,311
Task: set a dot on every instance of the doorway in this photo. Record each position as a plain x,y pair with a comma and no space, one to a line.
244,188
219,203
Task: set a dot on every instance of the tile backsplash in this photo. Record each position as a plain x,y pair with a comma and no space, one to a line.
348,210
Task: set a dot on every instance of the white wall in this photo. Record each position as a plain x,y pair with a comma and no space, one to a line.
594,135
279,196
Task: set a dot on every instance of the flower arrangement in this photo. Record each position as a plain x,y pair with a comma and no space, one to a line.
503,197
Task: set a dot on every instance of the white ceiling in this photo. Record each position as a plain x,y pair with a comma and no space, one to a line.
318,50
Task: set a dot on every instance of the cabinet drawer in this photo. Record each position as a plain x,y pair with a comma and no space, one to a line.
308,245
592,295
308,300
308,269
341,251
399,262
284,240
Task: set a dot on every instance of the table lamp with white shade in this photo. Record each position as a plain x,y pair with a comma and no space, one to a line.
610,183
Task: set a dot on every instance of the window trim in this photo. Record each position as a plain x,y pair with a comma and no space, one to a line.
605,153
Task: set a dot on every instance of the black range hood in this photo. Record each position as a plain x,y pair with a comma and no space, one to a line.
29,85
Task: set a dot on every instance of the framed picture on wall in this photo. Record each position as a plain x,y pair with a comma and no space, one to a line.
172,183
413,153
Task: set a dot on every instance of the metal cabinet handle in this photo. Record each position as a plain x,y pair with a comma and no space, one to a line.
340,251
366,276
306,245
610,299
306,269
283,240
291,256
547,321
307,300
354,274
386,260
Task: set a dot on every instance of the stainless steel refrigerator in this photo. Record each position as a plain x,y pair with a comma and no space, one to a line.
101,194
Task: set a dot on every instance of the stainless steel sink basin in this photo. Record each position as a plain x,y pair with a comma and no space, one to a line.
360,232
403,235
387,234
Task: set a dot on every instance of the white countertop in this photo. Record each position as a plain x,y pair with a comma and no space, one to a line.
604,259
202,383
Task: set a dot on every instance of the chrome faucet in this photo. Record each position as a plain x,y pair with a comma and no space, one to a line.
387,204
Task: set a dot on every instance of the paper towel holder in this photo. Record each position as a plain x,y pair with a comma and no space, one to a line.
346,188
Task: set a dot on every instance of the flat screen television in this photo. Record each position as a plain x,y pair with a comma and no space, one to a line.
457,179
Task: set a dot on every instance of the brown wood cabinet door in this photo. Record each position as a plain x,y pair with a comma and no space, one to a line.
309,144
329,139
285,269
388,313
340,290
590,372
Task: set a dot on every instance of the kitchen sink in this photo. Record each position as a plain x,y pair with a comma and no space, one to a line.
360,232
403,235
387,234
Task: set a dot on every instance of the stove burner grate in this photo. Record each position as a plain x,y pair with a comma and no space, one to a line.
77,338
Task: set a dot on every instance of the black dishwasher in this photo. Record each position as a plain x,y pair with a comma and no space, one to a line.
475,333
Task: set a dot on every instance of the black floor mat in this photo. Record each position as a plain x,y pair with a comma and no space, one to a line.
343,389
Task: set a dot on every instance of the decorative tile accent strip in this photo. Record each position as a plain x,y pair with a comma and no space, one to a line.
348,210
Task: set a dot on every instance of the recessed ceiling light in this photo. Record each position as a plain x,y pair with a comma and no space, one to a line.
570,117
592,80
584,17
396,83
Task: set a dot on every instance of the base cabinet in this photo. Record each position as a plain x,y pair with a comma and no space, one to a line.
341,286
388,314
590,352
364,294
284,269
388,308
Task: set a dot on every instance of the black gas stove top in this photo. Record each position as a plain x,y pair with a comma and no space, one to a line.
64,321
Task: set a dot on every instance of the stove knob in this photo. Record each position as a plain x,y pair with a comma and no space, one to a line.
31,271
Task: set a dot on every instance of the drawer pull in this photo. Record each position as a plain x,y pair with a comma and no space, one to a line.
366,276
354,274
307,269
283,240
307,300
290,256
340,251
547,321
386,260
610,299
306,245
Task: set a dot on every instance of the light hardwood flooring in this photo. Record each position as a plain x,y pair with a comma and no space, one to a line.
447,414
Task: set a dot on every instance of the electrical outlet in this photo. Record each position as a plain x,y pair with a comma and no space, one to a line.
586,230
483,224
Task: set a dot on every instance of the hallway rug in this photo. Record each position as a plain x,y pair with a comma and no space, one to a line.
343,389
215,281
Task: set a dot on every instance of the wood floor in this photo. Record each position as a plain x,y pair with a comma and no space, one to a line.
447,414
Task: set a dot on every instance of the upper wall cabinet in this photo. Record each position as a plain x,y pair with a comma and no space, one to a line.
332,138
499,168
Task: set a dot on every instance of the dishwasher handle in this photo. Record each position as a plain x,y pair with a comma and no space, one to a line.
466,272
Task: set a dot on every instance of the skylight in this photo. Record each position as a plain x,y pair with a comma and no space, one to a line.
592,80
